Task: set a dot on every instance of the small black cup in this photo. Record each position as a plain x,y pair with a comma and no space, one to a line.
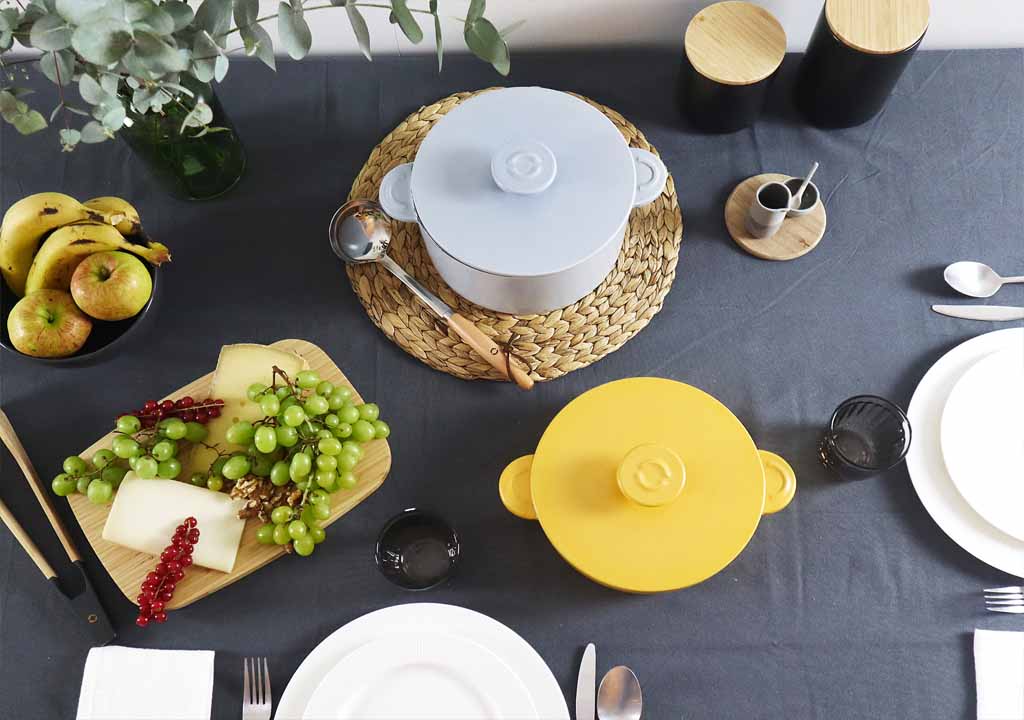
416,550
867,435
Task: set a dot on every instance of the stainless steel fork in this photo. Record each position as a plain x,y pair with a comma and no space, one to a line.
1005,599
256,700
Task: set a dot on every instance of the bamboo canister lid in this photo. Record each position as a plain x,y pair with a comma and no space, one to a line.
878,27
735,43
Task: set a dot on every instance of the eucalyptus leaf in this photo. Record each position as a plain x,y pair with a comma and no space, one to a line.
134,66
69,137
50,32
58,67
113,119
204,55
362,32
8,105
102,42
246,12
293,31
200,115
78,11
180,12
6,40
142,98
475,11
159,56
214,16
406,21
159,22
438,39
220,67
91,91
56,111
109,82
258,42
484,40
92,132
29,122
8,19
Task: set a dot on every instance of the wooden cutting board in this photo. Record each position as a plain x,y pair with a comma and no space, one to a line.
128,567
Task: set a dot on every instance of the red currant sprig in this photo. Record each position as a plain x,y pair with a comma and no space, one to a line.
158,587
185,408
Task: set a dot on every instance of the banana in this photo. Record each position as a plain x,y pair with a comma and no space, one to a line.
60,254
27,222
121,212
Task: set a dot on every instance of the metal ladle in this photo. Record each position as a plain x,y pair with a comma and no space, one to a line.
360,232
619,696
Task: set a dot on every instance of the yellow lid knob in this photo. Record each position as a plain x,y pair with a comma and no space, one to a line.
651,475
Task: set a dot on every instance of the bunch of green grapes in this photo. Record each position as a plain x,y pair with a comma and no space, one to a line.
311,435
152,452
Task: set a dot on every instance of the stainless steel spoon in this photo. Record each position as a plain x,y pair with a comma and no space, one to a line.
619,696
360,232
976,279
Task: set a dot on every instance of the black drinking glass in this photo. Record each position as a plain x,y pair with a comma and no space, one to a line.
866,436
416,550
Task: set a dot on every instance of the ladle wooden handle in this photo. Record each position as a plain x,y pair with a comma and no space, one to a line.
10,439
489,351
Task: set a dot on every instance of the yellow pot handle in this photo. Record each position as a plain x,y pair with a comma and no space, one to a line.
779,482
514,488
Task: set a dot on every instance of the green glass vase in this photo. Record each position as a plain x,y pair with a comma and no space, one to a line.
188,163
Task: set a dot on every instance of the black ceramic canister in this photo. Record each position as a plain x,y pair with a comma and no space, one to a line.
856,55
733,49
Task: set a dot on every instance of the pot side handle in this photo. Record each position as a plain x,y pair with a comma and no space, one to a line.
779,482
514,488
396,193
651,176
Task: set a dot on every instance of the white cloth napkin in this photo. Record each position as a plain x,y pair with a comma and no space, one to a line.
999,673
123,683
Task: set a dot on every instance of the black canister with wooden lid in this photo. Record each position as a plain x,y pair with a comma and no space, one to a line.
856,55
733,49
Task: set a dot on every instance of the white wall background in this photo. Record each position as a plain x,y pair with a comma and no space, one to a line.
576,23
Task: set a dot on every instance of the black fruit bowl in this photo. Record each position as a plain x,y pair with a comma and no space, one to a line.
105,338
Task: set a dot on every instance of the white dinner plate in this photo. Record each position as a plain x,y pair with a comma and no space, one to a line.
400,620
983,439
927,468
420,676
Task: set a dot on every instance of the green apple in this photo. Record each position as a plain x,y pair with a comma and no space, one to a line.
111,285
47,323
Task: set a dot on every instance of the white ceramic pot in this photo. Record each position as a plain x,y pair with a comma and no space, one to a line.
522,196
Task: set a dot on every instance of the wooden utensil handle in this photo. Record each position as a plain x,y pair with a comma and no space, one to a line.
10,439
489,351
26,542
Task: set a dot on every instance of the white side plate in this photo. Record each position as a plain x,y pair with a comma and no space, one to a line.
400,620
983,439
928,470
421,676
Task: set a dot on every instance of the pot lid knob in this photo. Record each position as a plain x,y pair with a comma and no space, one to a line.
651,475
524,168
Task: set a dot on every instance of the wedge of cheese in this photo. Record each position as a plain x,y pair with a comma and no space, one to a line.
238,367
145,513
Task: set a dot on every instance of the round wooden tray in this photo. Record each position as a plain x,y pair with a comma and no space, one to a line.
552,344
797,236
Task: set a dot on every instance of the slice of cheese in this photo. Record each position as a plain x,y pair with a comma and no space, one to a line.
238,367
146,512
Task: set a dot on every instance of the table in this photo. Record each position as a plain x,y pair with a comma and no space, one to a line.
851,603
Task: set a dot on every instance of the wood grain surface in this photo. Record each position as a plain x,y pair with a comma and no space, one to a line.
735,43
128,567
797,236
878,27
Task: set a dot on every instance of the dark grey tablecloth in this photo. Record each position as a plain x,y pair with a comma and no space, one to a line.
851,603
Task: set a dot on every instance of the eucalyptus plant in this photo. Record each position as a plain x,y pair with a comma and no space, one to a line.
131,57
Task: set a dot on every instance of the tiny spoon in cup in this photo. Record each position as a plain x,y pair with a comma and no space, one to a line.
360,232
976,279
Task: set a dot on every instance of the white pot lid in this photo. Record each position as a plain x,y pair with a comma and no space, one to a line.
523,182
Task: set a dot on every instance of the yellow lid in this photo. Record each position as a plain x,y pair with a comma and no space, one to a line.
645,485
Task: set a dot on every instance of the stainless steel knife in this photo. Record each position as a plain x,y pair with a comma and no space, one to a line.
981,312
586,685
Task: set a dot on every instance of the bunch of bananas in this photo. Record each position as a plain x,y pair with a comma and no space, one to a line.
45,236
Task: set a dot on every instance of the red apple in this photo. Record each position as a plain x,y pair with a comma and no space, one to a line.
47,323
111,285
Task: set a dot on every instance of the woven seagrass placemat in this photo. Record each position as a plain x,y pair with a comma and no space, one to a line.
552,344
